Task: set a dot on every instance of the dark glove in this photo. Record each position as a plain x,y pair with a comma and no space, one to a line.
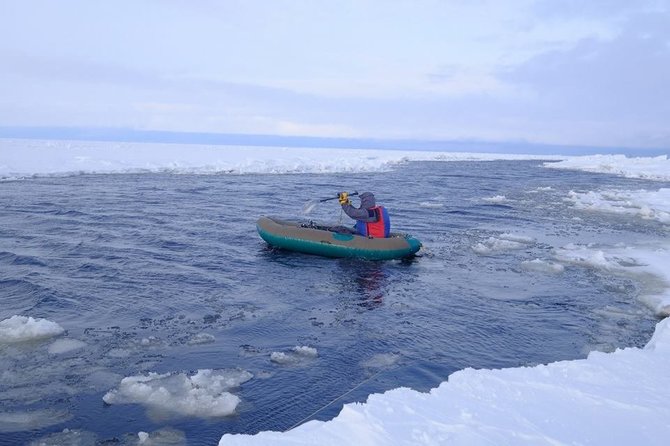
344,198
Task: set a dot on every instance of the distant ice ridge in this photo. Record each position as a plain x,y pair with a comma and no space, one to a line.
22,328
27,158
206,394
606,399
651,168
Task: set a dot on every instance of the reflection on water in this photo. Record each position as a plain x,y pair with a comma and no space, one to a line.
368,282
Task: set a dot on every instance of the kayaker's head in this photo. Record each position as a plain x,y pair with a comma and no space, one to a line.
367,200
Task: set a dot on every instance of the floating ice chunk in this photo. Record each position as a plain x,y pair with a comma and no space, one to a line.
281,358
648,265
495,199
65,345
151,341
542,266
308,352
205,394
431,204
119,353
74,437
21,328
295,356
496,245
201,338
381,360
650,205
31,420
517,238
591,257
585,257
161,437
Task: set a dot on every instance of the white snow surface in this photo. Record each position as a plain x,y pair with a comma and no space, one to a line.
22,328
28,158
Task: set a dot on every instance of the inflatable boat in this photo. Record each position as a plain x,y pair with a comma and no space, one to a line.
313,239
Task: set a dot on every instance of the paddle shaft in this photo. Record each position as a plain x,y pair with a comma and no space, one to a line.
353,194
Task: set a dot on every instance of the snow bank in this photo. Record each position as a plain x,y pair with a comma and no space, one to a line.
22,328
615,398
205,394
652,168
26,158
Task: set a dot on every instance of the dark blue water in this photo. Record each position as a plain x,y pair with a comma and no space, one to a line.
137,266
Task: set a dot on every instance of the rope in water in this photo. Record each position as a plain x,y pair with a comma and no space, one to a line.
331,402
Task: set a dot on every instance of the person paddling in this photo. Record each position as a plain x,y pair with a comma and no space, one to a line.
371,220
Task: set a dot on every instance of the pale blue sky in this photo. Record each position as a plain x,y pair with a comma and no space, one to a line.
564,72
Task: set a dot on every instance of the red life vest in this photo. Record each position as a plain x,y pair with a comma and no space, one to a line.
376,229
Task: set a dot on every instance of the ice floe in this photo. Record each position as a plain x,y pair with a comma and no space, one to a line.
296,355
22,328
206,394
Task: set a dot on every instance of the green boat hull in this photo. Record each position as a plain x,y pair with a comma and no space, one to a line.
293,237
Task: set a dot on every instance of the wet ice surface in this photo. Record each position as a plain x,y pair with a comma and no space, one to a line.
164,274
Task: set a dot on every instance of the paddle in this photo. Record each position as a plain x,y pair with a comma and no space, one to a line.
311,204
353,194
